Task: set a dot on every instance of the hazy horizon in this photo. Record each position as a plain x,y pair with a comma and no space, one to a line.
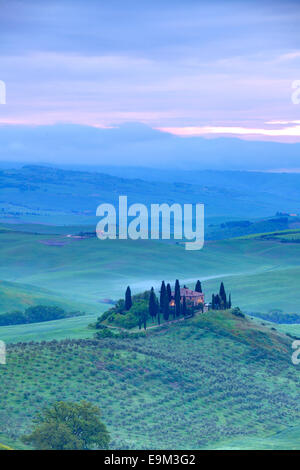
138,145
185,71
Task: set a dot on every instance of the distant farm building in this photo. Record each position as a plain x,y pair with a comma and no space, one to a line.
192,298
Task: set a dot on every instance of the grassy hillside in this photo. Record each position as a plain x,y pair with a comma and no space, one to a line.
18,296
72,328
237,228
204,382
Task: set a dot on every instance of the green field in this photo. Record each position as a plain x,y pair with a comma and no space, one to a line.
204,382
215,381
18,296
76,327
261,274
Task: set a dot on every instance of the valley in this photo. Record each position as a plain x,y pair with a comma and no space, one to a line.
212,381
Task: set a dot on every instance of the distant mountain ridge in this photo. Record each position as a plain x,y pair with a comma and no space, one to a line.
139,145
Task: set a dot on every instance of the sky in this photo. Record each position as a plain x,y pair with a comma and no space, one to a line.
189,68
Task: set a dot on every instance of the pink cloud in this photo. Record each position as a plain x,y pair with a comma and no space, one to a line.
285,132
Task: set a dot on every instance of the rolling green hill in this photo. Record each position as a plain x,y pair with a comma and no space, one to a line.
48,194
60,196
18,296
216,380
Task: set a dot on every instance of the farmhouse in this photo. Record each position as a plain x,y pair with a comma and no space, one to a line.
192,297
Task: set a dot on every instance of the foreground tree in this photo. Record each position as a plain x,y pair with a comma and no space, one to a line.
69,426
128,299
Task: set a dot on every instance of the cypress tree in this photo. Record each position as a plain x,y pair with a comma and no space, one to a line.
128,300
217,302
162,296
166,311
152,304
213,305
169,292
224,301
184,309
177,299
157,306
222,293
198,287
178,307
229,301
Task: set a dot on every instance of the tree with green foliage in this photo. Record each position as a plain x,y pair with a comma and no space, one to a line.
128,299
162,296
198,287
184,308
69,426
36,314
142,321
139,314
153,306
177,298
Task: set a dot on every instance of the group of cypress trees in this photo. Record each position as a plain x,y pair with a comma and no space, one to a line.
219,301
162,306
